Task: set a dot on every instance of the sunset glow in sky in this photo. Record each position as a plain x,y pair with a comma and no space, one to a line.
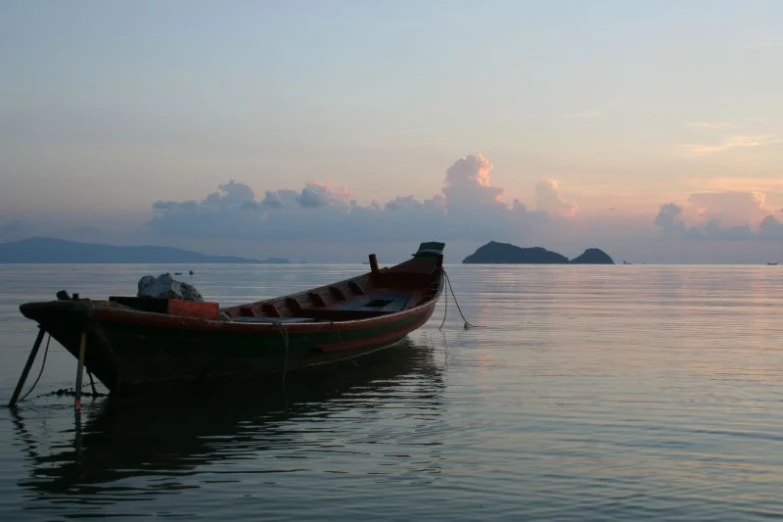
652,129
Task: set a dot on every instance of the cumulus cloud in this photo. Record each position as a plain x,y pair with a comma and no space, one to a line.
468,183
714,229
729,216
548,199
770,228
403,203
228,212
468,207
731,206
317,195
278,198
670,220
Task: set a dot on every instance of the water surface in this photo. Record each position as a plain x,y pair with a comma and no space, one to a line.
594,393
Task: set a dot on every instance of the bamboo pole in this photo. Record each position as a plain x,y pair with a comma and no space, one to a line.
27,366
80,371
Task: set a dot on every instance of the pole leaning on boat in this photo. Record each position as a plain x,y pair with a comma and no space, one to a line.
27,366
77,404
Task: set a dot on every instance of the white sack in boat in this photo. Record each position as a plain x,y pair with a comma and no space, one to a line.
166,287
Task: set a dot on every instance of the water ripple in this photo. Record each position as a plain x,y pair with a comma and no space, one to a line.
594,393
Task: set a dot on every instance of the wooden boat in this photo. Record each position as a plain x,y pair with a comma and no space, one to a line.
130,343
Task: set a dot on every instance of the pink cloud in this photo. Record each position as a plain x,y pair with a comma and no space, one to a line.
728,143
549,199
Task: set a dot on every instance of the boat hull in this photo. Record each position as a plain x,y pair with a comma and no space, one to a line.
129,352
136,343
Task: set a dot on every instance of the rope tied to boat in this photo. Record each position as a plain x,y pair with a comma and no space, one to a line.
71,392
284,334
467,324
61,391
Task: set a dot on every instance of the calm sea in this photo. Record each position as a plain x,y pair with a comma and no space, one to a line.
630,392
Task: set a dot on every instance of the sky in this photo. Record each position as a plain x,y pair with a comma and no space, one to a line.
323,130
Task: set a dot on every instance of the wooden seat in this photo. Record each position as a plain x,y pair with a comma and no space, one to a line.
379,302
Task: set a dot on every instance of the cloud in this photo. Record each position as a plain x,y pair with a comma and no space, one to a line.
714,229
670,219
727,216
468,183
322,221
728,143
739,184
548,199
227,212
770,228
409,203
731,206
468,207
279,198
317,195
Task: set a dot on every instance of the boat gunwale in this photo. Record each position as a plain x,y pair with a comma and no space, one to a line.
96,311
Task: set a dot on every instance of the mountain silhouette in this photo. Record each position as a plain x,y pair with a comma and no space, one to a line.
506,253
51,250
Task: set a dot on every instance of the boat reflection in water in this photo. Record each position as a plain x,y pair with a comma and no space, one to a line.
127,448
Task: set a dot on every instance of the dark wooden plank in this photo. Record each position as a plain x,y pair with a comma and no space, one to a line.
293,305
316,298
337,293
271,310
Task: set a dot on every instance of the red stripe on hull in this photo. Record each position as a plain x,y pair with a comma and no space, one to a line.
358,344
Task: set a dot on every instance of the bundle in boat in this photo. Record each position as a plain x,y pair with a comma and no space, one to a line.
166,295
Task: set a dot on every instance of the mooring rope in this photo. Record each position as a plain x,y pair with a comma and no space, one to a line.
71,392
60,391
467,324
284,334
445,309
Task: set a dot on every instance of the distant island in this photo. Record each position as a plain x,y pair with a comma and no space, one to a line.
274,261
506,253
51,250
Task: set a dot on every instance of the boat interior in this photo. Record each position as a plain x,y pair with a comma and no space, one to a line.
377,293
381,291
